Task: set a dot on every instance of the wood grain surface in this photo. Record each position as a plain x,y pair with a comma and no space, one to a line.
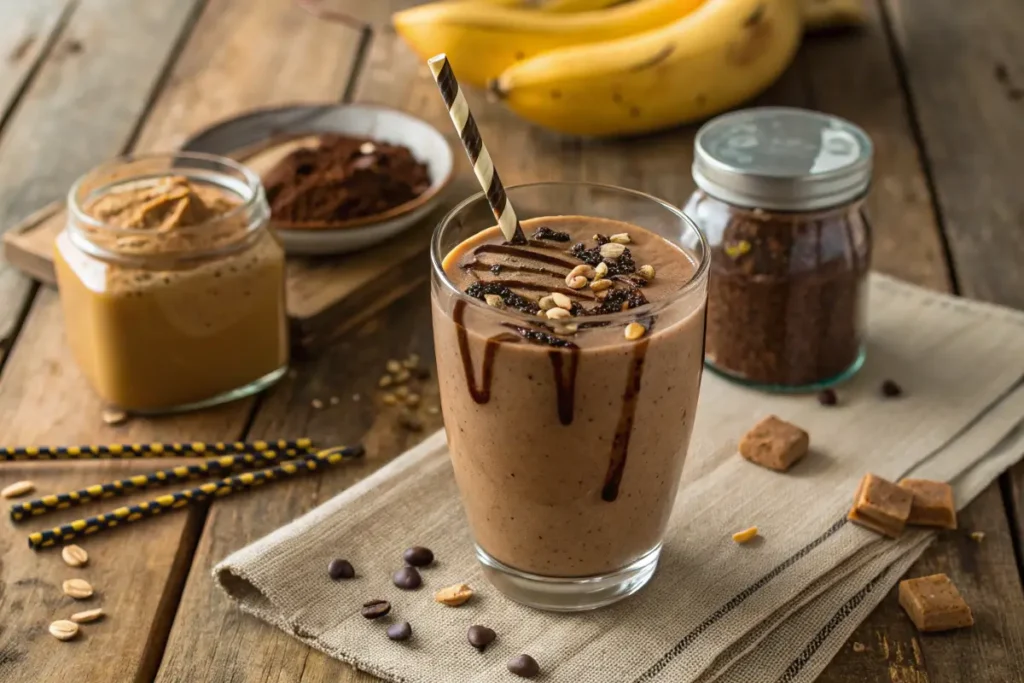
940,88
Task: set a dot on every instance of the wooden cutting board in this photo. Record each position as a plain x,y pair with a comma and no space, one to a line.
319,289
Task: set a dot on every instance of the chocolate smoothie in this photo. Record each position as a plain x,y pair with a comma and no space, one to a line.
568,430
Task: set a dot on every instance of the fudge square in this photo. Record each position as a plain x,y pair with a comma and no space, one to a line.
775,444
881,506
933,503
934,603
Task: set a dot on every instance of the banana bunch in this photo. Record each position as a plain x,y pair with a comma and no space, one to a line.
614,67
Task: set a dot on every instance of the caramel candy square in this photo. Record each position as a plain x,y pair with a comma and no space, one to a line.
933,503
881,506
775,444
934,603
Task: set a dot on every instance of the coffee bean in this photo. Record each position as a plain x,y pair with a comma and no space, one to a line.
340,569
374,609
407,578
418,556
401,631
480,636
524,666
827,397
890,389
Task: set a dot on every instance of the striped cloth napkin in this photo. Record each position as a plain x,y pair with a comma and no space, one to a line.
772,611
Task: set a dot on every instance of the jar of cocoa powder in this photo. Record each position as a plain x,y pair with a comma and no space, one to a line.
779,198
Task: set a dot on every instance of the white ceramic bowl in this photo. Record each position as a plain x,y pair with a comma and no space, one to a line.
260,137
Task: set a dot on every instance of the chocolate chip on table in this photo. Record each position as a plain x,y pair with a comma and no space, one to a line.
407,578
340,569
890,389
374,609
480,636
400,631
418,556
524,666
827,397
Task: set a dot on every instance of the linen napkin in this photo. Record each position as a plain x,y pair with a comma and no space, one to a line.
774,610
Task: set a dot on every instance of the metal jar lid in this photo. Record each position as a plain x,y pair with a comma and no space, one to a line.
782,158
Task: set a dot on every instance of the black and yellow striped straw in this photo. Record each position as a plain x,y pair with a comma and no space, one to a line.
197,449
180,499
121,487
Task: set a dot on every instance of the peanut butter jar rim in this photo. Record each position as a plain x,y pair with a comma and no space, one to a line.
697,279
253,185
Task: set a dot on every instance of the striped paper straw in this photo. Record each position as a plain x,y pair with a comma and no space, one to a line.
180,499
483,166
121,487
197,449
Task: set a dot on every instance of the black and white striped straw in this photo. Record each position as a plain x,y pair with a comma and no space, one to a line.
462,117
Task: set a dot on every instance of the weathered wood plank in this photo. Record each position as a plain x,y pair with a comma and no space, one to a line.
25,36
98,77
138,571
966,74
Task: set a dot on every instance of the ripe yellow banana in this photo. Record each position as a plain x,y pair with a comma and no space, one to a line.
563,6
482,39
717,57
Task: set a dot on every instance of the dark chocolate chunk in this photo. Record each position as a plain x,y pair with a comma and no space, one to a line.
340,569
496,269
539,337
480,636
543,233
400,631
524,666
827,397
890,389
478,290
374,609
407,578
620,300
418,556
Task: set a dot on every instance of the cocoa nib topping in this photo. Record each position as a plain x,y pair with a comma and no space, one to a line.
478,290
496,269
620,266
601,239
620,300
538,337
544,233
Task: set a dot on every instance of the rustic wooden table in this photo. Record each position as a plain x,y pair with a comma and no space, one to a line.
938,85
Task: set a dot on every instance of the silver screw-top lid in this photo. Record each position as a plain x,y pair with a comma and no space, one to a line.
782,158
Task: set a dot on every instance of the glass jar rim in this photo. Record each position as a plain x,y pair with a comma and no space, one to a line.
252,183
699,275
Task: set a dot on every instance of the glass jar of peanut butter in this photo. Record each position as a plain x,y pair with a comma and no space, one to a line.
172,282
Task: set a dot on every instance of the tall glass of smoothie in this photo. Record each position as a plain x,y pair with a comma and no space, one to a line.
569,370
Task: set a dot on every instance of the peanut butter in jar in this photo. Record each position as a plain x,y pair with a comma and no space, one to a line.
172,283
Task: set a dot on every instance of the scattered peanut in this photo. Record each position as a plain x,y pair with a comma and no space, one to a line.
317,404
88,615
859,647
402,375
558,314
601,285
578,282
412,361
79,589
619,238
562,301
114,416
433,410
367,148
18,488
977,536
453,596
634,331
74,556
389,399
646,272
334,400
393,366
745,535
494,300
385,381
412,400
612,250
601,270
582,270
402,391
546,303
63,629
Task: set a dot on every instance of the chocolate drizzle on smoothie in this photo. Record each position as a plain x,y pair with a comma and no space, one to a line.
620,443
522,253
481,394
